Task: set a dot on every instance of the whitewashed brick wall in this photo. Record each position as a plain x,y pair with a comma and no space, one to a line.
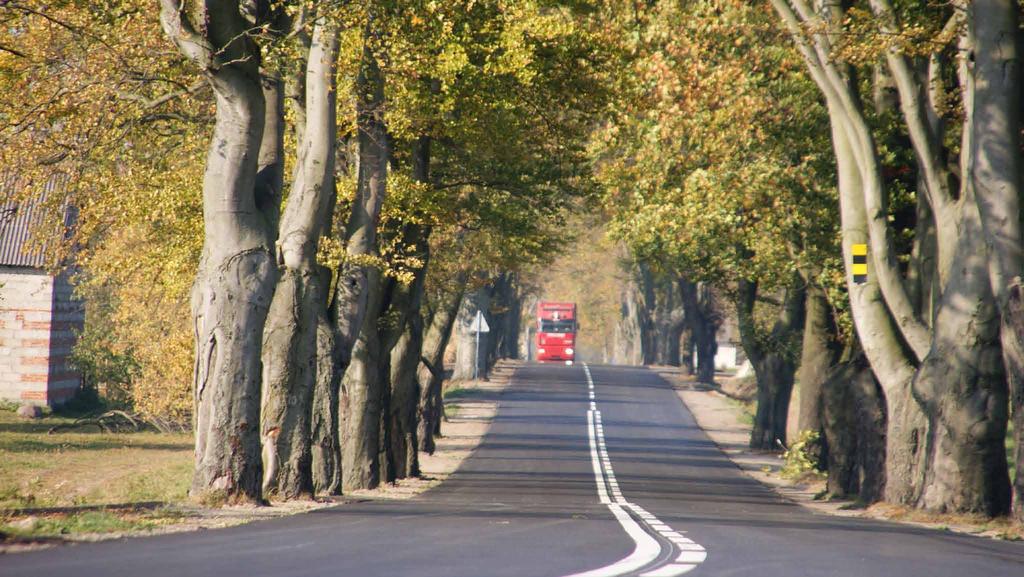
38,321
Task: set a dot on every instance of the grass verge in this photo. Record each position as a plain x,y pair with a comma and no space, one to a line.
84,467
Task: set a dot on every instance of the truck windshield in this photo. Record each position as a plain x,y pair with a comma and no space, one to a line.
560,326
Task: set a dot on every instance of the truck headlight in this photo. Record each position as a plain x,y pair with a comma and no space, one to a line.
541,351
568,351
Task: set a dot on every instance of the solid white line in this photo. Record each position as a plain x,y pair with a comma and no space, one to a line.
670,570
647,549
692,557
602,493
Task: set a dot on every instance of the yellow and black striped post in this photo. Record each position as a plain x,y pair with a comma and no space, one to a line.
860,263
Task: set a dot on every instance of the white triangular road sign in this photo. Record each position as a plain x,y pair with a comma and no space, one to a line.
479,324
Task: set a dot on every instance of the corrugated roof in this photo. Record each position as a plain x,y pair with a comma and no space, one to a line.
19,220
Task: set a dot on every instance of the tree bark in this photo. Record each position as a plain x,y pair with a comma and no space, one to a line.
290,338
665,312
943,432
430,373
407,351
362,399
854,424
358,301
352,286
234,284
405,358
774,364
818,354
995,178
629,330
324,429
702,322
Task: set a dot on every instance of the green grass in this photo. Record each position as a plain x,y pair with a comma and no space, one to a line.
747,411
457,393
86,522
87,467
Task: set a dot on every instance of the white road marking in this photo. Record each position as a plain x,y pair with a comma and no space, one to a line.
647,548
692,557
670,570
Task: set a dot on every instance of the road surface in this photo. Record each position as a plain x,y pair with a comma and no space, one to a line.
597,471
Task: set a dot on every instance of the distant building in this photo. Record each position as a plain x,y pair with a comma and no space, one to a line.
730,354
39,318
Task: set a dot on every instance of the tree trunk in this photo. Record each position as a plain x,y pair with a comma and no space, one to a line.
666,314
688,352
943,443
290,337
358,298
467,362
963,384
775,367
430,373
702,322
235,280
407,350
362,398
853,420
324,430
995,178
818,354
352,286
629,330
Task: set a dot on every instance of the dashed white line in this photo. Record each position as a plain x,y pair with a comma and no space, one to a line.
647,548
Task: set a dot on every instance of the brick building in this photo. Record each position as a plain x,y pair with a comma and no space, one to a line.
39,318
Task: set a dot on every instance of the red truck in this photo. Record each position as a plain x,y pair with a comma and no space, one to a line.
556,331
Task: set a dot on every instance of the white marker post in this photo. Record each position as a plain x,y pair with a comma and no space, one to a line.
479,326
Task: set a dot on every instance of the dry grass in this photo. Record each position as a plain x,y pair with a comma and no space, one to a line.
1000,527
86,467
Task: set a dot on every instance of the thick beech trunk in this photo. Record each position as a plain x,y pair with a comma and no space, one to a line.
702,322
236,276
666,314
819,352
404,388
352,287
944,441
506,300
407,350
358,298
430,373
853,421
775,366
290,337
962,383
324,431
362,399
629,330
405,358
995,178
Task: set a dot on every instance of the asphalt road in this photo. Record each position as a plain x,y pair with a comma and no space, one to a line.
527,503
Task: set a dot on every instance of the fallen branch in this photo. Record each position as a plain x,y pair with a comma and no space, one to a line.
109,422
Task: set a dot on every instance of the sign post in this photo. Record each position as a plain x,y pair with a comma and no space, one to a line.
479,326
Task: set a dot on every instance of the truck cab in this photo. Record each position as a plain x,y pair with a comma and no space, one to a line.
556,332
